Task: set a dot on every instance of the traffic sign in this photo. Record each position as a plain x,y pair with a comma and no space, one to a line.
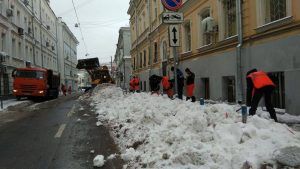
172,5
174,36
172,17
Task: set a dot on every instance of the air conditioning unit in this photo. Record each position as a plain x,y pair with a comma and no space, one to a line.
26,2
20,31
47,44
208,25
9,12
48,27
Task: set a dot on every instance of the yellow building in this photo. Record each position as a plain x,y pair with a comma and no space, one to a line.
219,49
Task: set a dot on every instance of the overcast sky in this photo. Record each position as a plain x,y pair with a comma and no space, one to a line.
100,22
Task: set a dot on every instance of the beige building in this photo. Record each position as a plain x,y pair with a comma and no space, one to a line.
219,48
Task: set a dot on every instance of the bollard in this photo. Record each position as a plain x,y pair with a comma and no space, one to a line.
244,114
201,101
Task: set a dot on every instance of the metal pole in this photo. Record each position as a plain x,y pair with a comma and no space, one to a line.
124,75
239,72
1,99
111,65
175,69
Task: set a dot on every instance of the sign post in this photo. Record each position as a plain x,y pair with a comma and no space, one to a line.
174,18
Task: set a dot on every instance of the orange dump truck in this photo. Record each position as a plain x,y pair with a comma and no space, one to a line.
35,83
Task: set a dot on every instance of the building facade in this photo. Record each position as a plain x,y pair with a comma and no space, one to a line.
123,58
220,41
67,52
28,32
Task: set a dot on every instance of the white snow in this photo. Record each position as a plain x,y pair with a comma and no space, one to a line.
11,102
98,123
99,161
111,157
157,132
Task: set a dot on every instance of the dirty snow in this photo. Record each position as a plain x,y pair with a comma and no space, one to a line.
156,132
11,102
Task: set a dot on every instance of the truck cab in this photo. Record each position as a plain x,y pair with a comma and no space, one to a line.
35,82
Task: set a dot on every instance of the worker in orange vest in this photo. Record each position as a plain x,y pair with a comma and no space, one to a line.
167,86
131,84
136,83
259,84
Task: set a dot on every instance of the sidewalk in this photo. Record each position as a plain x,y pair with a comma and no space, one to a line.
11,102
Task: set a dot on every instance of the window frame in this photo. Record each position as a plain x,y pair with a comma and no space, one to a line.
261,13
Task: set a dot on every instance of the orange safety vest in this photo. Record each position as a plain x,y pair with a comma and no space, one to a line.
136,84
260,79
165,82
131,84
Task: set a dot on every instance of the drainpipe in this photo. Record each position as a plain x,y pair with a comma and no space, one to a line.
239,73
150,41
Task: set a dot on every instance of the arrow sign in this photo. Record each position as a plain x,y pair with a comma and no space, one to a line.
174,30
174,36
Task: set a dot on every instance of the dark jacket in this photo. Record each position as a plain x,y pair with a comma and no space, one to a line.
154,82
180,78
190,79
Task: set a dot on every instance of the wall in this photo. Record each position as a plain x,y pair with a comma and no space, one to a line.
292,83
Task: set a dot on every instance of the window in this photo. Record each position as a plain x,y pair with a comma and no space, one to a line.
275,10
19,50
155,52
187,37
164,51
141,60
18,18
3,40
206,36
134,66
278,96
144,60
205,88
155,9
230,17
229,89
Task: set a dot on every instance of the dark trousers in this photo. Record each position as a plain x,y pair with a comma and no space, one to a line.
266,92
180,91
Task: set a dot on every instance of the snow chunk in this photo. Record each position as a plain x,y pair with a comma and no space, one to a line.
99,161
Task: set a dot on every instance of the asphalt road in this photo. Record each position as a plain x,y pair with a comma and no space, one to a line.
57,134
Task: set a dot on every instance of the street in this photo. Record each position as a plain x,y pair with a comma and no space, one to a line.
57,134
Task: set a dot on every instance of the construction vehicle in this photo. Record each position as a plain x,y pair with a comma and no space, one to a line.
99,74
35,83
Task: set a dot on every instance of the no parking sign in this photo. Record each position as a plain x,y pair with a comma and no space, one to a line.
172,5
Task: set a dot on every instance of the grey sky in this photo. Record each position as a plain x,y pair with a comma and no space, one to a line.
100,22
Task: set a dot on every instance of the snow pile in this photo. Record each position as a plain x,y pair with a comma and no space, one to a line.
12,102
99,161
156,132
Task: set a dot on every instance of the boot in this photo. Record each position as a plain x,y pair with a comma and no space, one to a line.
187,98
193,99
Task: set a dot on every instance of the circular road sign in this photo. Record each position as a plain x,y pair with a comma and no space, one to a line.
172,5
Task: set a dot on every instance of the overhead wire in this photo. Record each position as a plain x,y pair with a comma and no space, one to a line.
81,5
78,22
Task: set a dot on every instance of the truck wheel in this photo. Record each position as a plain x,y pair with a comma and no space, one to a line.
18,98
